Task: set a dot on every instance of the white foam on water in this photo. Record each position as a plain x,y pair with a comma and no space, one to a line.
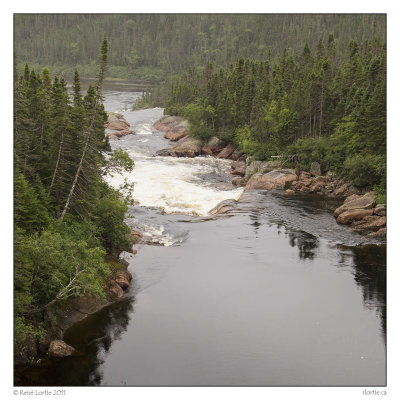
144,129
171,184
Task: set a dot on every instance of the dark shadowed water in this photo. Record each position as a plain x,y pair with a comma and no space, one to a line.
272,292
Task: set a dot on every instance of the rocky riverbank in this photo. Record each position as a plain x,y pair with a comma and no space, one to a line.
117,126
359,210
59,318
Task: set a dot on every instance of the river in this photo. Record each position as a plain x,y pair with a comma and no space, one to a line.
271,293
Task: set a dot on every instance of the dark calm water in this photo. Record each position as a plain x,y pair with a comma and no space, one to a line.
272,292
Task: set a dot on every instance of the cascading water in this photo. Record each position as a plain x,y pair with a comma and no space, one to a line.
271,292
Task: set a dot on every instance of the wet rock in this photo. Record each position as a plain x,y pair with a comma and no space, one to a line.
365,202
118,134
315,169
116,290
276,179
58,348
373,224
136,236
223,207
123,278
166,153
348,217
289,192
226,151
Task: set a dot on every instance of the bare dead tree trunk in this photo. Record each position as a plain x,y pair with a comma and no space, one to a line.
57,163
78,171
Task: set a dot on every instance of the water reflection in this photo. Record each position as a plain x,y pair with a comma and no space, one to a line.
305,242
370,275
92,337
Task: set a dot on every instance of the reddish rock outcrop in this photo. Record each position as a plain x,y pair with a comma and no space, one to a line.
277,179
355,202
226,152
347,217
174,136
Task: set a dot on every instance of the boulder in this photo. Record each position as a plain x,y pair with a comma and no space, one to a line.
171,123
123,278
276,179
165,153
380,210
223,207
381,233
213,146
135,235
236,155
226,151
315,169
237,182
373,224
268,166
238,168
116,290
347,217
365,202
58,348
187,147
174,136
344,190
121,133
251,169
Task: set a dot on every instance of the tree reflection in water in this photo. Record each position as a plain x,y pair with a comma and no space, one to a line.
369,263
92,337
305,242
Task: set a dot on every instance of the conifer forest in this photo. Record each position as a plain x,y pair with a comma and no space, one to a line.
200,199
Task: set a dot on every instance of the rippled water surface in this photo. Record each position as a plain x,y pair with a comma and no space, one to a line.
271,292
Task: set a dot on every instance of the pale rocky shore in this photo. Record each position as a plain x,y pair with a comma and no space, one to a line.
359,210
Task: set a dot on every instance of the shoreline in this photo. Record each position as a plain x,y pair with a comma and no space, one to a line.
359,209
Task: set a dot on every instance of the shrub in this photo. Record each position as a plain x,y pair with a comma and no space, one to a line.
365,170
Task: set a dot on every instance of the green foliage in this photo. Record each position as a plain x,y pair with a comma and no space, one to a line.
366,170
109,213
155,46
312,105
66,217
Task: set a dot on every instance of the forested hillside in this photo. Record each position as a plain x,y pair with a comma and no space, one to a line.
311,104
155,46
66,218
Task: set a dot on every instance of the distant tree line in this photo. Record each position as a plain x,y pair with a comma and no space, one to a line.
314,104
155,46
66,218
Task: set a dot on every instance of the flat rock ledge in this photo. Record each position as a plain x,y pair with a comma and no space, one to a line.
118,125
